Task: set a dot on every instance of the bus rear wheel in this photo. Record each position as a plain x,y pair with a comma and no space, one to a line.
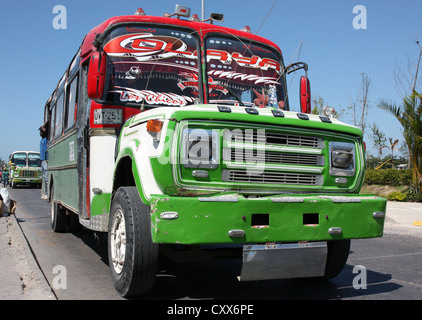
132,255
58,216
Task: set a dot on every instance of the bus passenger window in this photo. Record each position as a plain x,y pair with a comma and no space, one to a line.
59,116
52,122
71,108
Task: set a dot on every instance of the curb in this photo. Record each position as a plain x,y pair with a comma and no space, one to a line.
34,283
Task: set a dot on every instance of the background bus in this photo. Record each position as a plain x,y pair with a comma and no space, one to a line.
25,169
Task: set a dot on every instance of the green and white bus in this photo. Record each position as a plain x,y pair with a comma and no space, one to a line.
25,169
176,136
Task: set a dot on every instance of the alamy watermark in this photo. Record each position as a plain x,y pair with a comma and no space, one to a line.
359,281
60,281
360,19
60,18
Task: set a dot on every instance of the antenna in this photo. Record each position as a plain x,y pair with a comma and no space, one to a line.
265,19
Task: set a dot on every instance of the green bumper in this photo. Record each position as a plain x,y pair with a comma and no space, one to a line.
235,219
27,180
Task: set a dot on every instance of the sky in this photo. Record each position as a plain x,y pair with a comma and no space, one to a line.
34,53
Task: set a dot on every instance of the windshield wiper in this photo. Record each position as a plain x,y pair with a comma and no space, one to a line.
233,94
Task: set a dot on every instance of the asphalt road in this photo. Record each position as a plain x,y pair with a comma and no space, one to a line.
75,265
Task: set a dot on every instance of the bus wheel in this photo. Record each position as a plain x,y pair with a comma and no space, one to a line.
338,252
132,255
58,217
74,224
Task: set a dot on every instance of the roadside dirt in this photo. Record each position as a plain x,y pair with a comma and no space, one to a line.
382,191
16,253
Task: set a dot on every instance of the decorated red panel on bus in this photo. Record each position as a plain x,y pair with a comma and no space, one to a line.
153,66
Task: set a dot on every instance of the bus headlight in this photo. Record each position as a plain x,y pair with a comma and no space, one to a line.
200,148
342,159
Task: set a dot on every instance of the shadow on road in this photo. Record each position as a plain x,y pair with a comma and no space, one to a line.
217,279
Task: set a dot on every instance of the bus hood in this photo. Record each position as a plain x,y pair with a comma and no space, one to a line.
252,115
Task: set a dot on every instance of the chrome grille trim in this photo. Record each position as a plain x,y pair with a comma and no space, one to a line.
269,157
271,177
270,138
239,155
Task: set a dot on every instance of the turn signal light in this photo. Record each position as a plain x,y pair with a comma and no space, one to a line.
154,128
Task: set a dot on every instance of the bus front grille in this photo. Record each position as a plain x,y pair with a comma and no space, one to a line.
28,174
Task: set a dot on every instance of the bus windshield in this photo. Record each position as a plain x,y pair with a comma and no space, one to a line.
34,160
152,66
19,159
244,73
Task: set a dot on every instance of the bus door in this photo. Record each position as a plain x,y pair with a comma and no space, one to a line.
83,147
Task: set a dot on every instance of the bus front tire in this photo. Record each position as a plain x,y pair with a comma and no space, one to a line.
338,252
132,255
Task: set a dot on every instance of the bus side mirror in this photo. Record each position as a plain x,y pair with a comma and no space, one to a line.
305,95
96,75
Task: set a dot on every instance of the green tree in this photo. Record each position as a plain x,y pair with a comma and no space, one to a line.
393,146
379,139
409,115
360,105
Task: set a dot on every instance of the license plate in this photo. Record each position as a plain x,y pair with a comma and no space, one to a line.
107,116
283,261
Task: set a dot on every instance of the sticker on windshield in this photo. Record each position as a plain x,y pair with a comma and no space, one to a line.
244,77
254,62
146,46
151,97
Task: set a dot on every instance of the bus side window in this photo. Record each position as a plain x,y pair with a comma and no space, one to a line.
52,121
59,116
71,106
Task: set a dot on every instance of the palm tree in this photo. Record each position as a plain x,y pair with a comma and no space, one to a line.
393,146
409,114
380,151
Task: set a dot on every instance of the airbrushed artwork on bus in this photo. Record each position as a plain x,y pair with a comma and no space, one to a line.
179,137
151,97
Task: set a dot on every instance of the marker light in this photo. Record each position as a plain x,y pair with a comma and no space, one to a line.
329,111
246,29
140,12
194,18
169,215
